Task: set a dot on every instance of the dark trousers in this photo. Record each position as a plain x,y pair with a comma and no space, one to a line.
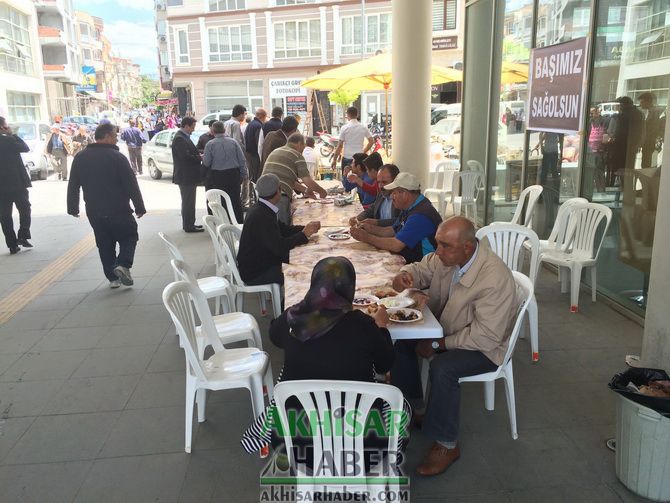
135,156
254,164
442,411
647,152
187,206
346,161
108,232
271,275
229,181
59,162
7,203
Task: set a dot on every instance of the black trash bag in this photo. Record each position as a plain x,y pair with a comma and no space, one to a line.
641,377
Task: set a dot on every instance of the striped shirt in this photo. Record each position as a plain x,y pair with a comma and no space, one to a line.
289,165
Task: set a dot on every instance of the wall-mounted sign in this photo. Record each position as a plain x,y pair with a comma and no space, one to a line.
88,80
279,88
556,87
161,102
442,43
296,104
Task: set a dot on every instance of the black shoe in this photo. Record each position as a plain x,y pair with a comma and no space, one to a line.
195,229
198,226
15,250
25,243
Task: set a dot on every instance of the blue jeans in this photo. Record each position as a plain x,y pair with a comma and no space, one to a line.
346,161
108,232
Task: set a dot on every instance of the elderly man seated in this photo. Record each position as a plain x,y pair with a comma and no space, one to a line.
472,294
381,212
266,241
412,234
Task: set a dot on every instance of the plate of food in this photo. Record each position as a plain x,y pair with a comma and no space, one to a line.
396,302
325,201
365,300
384,291
404,315
338,234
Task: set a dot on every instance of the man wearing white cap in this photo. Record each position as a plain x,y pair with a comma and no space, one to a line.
265,242
412,234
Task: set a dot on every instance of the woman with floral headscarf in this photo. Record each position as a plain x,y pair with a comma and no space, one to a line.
324,337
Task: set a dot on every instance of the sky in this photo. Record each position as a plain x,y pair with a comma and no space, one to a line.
129,25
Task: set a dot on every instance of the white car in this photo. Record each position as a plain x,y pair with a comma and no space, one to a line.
221,115
157,152
36,135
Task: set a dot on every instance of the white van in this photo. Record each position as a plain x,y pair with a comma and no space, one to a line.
609,108
221,115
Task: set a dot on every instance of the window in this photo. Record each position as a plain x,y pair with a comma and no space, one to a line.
378,33
294,39
444,15
84,31
222,5
581,17
292,2
230,43
225,95
182,47
23,106
162,138
175,3
15,53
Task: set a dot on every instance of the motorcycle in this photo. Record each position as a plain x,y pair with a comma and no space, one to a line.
327,143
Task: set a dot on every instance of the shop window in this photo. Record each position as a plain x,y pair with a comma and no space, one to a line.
295,39
230,43
226,94
444,14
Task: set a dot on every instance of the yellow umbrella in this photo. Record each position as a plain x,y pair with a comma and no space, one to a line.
372,74
514,73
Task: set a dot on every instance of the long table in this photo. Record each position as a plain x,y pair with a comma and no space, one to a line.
374,268
324,210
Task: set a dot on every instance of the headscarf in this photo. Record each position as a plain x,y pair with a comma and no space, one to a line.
329,298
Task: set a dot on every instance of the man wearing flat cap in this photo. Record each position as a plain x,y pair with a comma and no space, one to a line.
266,242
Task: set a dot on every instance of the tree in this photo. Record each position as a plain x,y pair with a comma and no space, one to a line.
343,97
149,88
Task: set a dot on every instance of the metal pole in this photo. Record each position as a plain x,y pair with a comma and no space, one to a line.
386,119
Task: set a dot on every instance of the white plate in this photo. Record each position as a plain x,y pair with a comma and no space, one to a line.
396,302
366,300
339,237
406,311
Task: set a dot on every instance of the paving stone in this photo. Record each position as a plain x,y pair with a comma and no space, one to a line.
37,483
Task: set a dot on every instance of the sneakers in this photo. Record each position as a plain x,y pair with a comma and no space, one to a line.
123,273
25,243
114,284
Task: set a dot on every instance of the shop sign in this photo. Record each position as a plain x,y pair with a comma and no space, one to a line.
556,86
442,43
280,88
296,105
161,102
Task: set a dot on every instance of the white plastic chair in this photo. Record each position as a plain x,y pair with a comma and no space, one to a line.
214,287
442,183
507,241
342,447
230,326
530,194
214,196
579,249
225,369
227,236
475,166
469,183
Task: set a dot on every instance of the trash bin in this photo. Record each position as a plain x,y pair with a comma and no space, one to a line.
642,436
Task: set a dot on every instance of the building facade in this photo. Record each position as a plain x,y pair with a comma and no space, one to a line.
60,55
22,91
629,57
91,89
219,53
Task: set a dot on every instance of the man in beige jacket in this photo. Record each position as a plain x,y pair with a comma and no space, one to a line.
473,295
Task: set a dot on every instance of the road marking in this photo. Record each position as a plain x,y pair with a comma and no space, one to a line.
31,289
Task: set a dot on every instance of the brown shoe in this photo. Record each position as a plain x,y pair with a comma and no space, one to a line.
438,460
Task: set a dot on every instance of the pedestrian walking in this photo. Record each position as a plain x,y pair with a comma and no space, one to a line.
107,180
81,140
14,183
57,149
251,135
187,166
226,167
134,140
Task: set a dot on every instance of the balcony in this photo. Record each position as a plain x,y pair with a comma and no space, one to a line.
61,73
51,36
48,5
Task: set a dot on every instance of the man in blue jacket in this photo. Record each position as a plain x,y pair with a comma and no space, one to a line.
132,136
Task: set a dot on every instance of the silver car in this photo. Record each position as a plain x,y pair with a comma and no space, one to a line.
157,152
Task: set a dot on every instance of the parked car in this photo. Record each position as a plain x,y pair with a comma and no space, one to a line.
608,109
443,111
36,135
221,115
81,120
447,132
157,152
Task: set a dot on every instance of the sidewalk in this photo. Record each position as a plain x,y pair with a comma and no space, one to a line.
92,394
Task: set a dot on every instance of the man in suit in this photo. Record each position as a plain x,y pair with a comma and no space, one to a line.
473,295
251,135
14,183
187,165
265,242
381,212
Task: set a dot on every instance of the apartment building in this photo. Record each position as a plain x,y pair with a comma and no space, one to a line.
124,83
91,88
222,52
60,55
22,92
